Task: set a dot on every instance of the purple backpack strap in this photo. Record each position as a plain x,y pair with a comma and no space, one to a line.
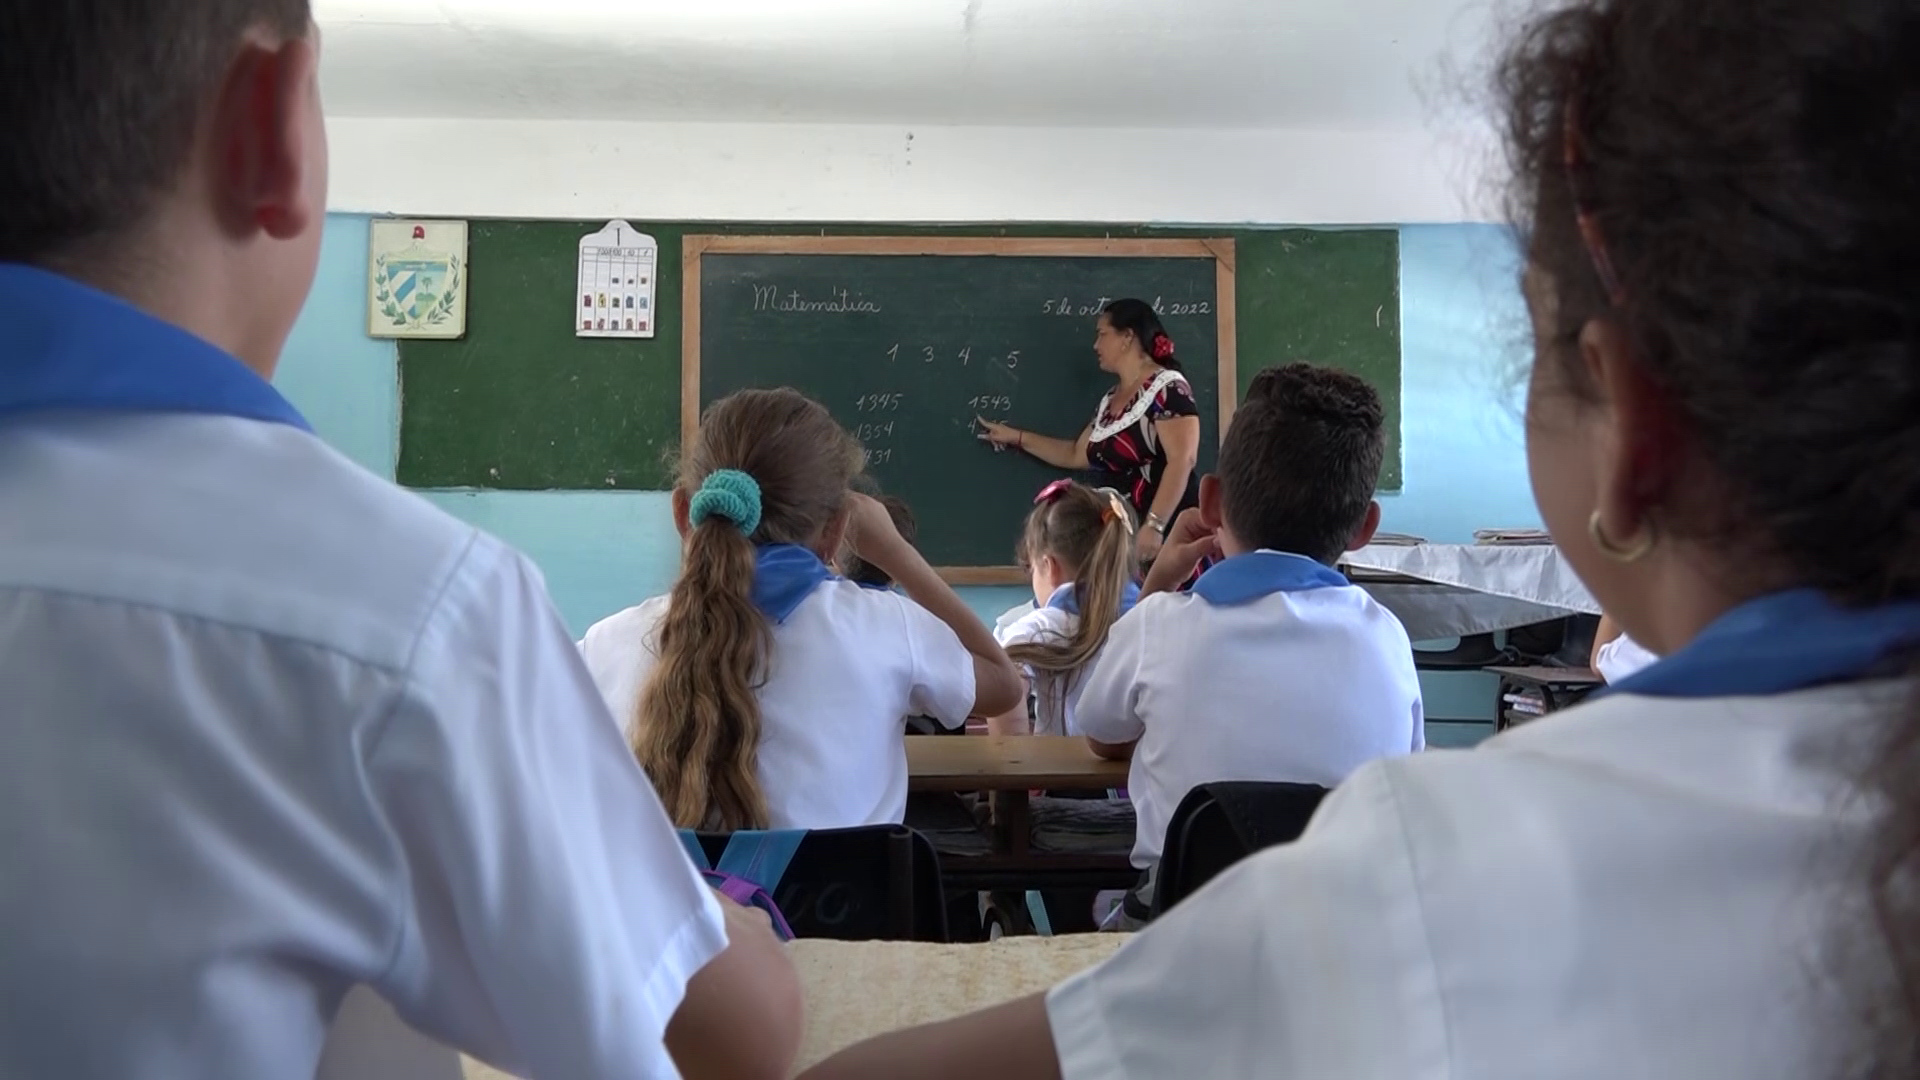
749,869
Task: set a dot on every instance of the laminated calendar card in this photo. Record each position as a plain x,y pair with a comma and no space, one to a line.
617,273
417,279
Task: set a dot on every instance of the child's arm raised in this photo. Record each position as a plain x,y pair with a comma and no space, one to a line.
998,685
1189,541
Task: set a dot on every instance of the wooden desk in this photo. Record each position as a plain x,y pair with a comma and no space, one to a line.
858,989
1009,768
1008,763
1558,688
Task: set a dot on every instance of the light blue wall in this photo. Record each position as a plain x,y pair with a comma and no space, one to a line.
1464,337
345,382
600,551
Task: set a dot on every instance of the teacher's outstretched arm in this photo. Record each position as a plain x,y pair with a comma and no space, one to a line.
1059,453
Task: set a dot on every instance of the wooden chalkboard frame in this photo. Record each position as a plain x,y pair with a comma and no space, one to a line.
693,247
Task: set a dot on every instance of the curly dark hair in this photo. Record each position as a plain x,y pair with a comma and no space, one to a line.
1748,170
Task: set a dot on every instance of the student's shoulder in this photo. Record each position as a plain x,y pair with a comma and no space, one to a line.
1040,624
878,619
262,527
1163,608
626,630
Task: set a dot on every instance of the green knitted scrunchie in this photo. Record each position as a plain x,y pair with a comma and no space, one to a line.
729,494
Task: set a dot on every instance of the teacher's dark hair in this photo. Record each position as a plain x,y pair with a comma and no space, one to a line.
1137,317
1749,169
100,102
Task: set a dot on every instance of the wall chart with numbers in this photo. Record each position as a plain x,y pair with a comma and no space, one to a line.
618,269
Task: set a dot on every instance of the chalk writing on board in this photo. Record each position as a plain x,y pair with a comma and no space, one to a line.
840,302
878,402
870,432
1197,307
879,457
1065,306
991,403
1161,306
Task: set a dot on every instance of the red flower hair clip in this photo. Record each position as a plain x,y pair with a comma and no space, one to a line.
1052,491
1162,346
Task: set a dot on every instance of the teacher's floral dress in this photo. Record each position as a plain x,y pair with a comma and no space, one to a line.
1125,449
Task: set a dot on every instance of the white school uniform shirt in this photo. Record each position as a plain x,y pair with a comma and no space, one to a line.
1302,685
275,728
1054,710
847,664
1620,658
1635,887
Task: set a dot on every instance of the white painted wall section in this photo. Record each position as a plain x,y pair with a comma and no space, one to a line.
827,172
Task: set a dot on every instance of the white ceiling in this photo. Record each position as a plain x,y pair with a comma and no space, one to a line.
1323,65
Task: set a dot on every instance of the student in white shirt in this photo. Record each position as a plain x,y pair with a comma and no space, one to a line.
1273,666
1615,655
764,691
1708,869
274,728
1077,546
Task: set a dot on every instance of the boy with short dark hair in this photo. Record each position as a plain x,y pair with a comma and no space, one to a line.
1273,666
276,728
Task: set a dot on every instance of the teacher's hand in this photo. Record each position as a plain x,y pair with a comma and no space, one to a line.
997,434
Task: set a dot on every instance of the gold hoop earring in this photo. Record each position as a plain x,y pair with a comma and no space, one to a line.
1641,546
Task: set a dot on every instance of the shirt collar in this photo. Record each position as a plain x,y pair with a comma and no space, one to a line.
1248,577
1787,641
65,346
783,576
1065,598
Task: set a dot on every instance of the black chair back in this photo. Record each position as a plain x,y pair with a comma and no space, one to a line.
1219,824
875,883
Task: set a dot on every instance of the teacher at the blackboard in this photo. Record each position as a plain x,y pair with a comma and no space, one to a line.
1145,434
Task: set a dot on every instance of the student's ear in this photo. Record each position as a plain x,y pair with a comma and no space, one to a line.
833,538
1050,568
1212,515
1636,460
1369,525
270,139
682,504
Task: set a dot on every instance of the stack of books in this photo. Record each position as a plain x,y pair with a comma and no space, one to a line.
1523,706
1512,537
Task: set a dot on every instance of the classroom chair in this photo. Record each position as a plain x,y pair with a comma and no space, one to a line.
1219,824
874,883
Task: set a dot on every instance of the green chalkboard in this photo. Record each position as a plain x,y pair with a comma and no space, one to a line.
520,403
906,341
